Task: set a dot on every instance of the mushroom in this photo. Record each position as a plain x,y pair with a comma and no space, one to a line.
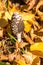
17,25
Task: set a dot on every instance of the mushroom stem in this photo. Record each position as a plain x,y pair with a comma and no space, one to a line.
19,36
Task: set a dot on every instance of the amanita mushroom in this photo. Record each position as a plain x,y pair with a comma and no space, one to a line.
17,25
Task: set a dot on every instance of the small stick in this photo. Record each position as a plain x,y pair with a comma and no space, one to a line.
22,44
32,3
28,39
3,57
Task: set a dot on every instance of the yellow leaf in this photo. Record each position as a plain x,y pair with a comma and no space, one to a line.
27,26
27,16
20,62
7,16
37,49
14,9
37,46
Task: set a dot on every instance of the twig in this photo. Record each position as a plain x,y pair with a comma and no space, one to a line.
28,39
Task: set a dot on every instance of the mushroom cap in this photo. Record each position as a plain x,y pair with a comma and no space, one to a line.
17,24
